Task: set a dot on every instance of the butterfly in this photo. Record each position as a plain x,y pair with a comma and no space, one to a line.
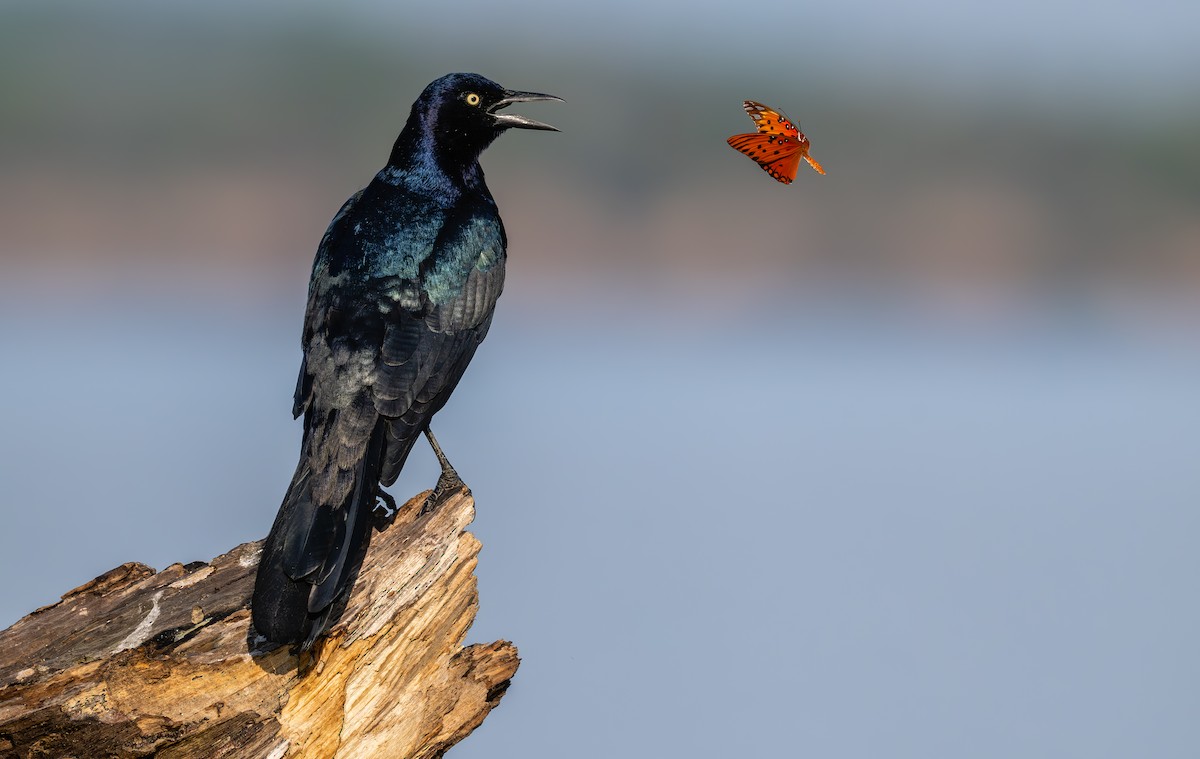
778,146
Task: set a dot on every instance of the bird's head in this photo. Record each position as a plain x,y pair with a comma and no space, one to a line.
460,114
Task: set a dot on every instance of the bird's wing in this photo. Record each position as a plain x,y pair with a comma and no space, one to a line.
424,353
343,437
382,355
314,313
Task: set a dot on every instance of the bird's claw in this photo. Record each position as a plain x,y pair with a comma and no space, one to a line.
385,509
447,482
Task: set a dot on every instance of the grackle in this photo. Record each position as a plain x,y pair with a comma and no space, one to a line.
402,292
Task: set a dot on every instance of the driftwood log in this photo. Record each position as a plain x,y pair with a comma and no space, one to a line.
137,663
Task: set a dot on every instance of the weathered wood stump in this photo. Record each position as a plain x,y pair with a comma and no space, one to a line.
137,663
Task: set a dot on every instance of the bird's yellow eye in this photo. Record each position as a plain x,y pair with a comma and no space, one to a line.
472,98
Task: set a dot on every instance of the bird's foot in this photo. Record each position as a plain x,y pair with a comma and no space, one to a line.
385,509
447,482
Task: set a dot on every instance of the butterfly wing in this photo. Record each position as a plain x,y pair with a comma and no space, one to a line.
777,147
779,159
769,120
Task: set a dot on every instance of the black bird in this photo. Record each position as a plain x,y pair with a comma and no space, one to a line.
402,292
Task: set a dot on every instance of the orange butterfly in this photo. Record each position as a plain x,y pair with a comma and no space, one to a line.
778,146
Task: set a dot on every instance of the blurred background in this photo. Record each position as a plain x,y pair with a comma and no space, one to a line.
898,461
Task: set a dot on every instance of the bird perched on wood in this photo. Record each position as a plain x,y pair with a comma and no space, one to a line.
402,292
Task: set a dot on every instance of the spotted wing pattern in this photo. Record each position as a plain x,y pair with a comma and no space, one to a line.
778,145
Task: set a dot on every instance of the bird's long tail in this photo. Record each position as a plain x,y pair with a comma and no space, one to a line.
314,551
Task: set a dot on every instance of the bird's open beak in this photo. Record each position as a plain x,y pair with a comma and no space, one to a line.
505,120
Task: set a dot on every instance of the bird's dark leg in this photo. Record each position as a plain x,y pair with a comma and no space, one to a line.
449,479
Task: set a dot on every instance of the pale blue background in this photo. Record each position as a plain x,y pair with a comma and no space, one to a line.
821,539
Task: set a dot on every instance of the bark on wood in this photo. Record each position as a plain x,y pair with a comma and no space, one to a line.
137,663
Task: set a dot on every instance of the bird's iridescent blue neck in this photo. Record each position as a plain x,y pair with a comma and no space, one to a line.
427,155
